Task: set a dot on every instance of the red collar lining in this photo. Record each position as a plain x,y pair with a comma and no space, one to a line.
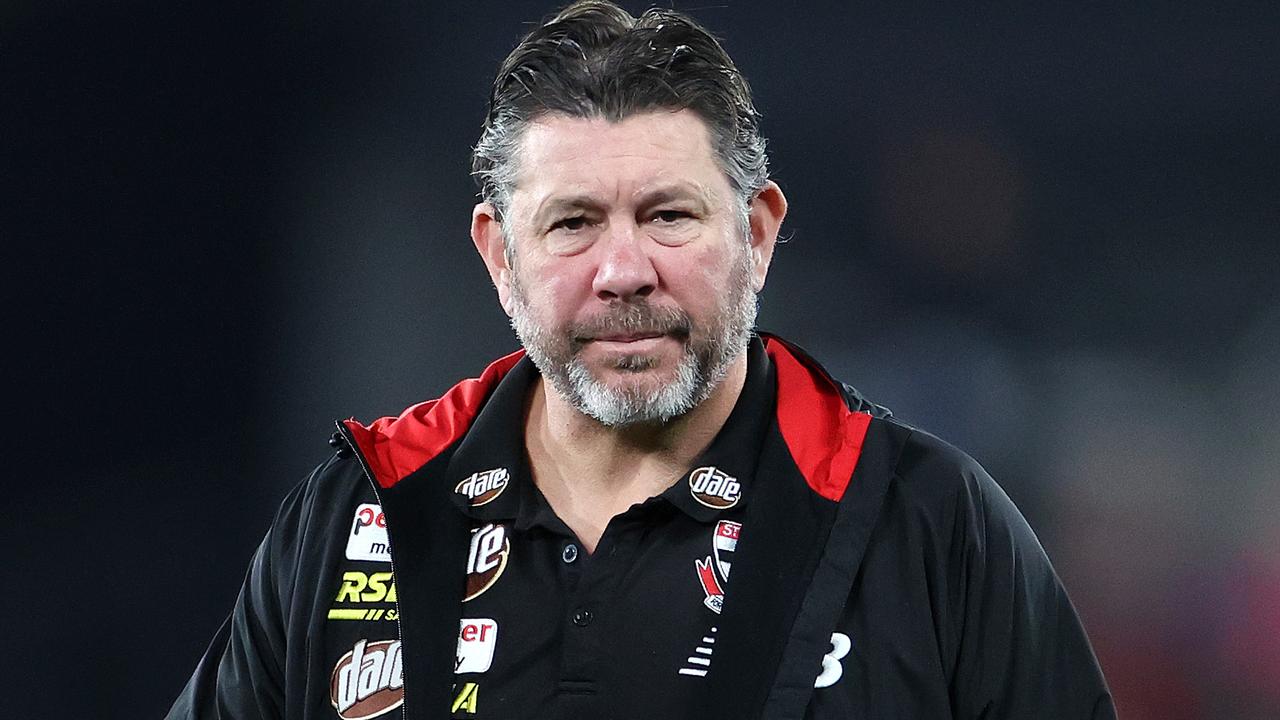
823,436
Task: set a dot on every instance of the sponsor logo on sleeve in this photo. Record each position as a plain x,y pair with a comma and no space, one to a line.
484,486
368,681
490,548
365,596
477,639
710,486
368,538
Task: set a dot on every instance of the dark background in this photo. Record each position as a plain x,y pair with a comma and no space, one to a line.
1047,235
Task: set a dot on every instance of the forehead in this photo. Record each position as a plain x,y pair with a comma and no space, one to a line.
562,154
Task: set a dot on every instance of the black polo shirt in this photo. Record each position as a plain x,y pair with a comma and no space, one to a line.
549,631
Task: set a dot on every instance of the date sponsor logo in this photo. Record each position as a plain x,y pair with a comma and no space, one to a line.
368,538
477,639
485,486
368,681
710,486
487,558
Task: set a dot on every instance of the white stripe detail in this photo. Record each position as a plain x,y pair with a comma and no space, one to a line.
709,640
691,671
699,661
704,651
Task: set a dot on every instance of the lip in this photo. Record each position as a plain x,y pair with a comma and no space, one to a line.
627,338
629,344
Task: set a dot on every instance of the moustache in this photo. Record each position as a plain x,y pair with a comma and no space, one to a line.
633,319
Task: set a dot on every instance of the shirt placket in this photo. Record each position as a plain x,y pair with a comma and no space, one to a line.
591,615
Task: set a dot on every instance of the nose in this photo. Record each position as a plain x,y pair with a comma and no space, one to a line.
625,271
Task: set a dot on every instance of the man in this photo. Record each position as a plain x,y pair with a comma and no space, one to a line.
651,512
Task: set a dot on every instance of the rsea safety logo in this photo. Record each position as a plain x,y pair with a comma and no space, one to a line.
484,486
477,638
712,487
365,596
487,558
368,538
368,681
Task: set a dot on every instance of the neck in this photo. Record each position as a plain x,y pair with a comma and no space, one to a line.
590,472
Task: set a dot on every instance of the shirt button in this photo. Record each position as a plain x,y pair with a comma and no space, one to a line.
582,617
570,553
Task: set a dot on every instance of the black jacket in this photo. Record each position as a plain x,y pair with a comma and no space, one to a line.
865,527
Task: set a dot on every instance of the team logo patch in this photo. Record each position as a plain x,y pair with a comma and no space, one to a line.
368,538
368,681
710,486
477,639
726,542
484,486
490,548
713,574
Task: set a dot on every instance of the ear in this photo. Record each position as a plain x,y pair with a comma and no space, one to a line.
767,210
486,233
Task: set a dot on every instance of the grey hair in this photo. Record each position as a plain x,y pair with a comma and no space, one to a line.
595,60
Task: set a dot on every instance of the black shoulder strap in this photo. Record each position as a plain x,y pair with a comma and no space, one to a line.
833,578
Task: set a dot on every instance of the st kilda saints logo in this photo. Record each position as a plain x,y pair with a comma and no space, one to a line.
713,572
368,681
710,486
487,558
484,486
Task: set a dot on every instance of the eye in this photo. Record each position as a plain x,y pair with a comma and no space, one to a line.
670,216
577,222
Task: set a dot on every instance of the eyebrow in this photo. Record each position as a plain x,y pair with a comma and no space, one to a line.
678,191
554,206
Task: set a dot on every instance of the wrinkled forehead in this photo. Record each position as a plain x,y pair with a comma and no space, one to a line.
616,161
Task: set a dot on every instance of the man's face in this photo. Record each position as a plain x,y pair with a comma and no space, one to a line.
632,284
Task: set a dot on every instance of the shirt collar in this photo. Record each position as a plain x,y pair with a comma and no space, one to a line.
492,480
720,479
490,465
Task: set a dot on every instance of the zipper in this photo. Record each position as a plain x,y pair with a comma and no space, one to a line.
368,473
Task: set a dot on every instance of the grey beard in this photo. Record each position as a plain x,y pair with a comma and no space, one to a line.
703,366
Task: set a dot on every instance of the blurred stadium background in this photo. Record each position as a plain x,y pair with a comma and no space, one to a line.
1048,235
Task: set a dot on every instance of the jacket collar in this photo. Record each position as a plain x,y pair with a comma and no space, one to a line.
821,432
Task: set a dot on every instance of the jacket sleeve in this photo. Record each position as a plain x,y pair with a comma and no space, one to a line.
1022,650
242,673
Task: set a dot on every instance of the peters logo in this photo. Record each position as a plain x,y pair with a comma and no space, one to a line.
477,639
487,558
368,681
368,538
483,487
711,487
